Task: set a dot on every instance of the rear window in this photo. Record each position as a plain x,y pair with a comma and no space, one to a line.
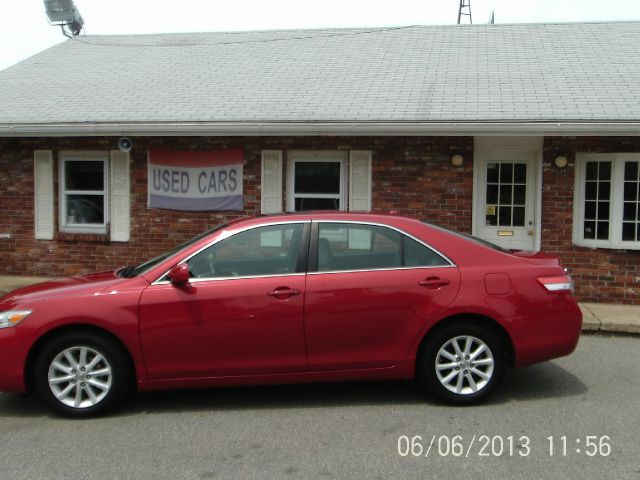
490,245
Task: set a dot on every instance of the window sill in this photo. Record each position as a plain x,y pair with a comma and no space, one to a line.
83,237
618,248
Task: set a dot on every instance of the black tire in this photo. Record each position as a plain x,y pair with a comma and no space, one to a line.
114,359
435,380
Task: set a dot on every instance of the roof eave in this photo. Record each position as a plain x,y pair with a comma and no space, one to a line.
342,128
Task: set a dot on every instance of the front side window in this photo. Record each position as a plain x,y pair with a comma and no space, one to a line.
344,247
83,195
269,250
606,207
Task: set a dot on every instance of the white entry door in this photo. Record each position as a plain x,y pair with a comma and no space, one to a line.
506,198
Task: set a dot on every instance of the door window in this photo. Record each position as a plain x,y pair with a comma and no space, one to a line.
366,247
506,194
270,250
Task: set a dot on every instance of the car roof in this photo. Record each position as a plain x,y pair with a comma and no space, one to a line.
373,217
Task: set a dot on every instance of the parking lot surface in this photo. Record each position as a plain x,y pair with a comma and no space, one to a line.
572,417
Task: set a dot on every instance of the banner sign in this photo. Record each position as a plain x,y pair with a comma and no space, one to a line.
196,181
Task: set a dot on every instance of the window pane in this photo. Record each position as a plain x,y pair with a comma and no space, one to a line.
504,216
604,190
603,210
85,209
518,216
520,173
259,251
591,191
592,170
631,170
357,247
629,211
631,191
590,230
505,195
492,194
519,194
491,217
604,170
506,172
317,177
302,204
603,231
590,210
417,255
84,175
492,173
628,232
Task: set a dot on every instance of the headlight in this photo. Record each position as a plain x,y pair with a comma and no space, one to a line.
13,317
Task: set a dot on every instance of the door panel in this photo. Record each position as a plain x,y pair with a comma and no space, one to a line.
369,319
223,327
505,212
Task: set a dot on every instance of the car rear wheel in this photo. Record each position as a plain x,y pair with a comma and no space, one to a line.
82,374
462,363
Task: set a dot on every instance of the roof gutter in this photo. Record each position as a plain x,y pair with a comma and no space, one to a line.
547,128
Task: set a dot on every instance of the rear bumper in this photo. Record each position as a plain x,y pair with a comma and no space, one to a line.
550,333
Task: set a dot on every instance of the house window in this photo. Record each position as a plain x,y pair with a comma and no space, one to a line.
607,200
83,194
316,181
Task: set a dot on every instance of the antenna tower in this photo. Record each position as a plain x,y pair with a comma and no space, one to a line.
464,10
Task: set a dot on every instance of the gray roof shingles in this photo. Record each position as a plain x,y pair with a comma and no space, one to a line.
526,72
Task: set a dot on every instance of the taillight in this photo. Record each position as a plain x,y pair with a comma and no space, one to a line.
557,283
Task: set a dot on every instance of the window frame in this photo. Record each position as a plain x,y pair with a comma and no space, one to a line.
294,157
616,201
92,228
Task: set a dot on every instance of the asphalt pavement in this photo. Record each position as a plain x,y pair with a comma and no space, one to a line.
586,402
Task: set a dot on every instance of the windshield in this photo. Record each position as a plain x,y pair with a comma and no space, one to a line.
493,246
135,270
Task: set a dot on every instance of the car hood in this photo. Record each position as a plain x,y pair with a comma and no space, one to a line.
63,287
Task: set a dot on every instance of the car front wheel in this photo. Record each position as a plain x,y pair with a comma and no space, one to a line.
82,374
462,363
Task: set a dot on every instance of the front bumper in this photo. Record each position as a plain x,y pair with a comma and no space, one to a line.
14,348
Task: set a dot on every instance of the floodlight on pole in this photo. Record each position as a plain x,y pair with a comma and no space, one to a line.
65,14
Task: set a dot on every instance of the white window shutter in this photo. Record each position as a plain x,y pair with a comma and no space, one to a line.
271,181
360,180
120,198
43,198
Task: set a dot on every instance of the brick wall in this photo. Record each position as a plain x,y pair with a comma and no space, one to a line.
411,175
602,275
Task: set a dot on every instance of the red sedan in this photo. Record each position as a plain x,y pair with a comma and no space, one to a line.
292,298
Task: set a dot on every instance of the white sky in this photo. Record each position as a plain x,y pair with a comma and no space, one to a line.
25,30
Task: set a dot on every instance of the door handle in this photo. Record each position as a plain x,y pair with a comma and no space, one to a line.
434,282
282,293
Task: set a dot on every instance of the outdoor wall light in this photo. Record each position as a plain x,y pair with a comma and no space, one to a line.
560,161
457,160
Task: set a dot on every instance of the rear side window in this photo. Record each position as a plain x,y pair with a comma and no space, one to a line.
417,255
367,247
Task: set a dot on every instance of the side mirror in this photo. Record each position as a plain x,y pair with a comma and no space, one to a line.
179,275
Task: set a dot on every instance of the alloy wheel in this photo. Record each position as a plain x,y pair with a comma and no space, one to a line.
464,365
80,377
